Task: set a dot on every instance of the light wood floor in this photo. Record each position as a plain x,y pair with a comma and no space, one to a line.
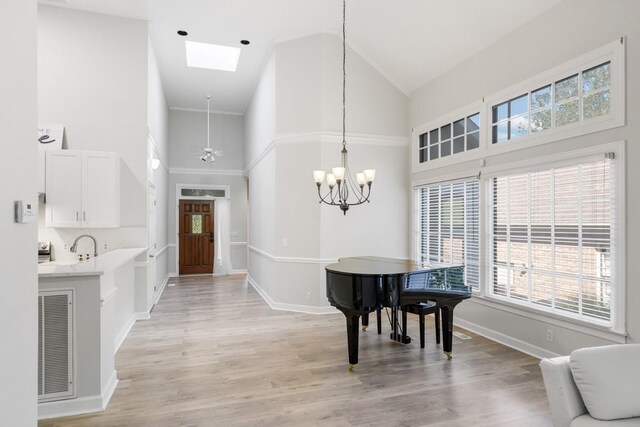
215,354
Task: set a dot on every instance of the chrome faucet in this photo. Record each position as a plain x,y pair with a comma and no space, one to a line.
74,247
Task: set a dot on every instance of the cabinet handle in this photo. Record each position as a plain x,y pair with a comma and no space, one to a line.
77,216
84,215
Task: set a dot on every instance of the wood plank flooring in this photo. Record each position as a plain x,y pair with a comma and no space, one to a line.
215,354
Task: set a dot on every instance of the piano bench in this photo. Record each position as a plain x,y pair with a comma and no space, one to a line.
422,309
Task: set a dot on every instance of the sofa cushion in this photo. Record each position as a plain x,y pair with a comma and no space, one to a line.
588,421
608,379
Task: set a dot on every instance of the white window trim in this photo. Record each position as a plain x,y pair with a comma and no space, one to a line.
613,52
416,166
618,315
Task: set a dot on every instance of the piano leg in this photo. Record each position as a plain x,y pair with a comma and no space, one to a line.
353,322
379,319
446,310
365,321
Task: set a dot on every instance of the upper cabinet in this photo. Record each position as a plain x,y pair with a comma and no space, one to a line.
83,189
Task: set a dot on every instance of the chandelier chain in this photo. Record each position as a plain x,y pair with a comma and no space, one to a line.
344,73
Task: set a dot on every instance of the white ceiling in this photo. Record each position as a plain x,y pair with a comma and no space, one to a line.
408,41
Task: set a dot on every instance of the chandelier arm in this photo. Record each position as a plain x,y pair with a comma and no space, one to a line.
324,199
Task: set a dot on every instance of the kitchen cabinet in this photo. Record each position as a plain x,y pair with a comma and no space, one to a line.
83,189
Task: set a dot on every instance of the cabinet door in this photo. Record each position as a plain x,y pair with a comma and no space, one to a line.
100,189
64,188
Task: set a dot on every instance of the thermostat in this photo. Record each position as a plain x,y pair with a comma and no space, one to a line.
24,212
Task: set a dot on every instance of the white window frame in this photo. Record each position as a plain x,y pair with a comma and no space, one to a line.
617,324
612,52
469,110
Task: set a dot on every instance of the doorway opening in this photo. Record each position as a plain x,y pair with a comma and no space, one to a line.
202,226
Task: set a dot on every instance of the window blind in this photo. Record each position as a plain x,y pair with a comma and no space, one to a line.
552,238
449,226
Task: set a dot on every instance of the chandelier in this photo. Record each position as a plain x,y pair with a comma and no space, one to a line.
341,184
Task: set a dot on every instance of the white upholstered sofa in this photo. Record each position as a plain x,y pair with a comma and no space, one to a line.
598,386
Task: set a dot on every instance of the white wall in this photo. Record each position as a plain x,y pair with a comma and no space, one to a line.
188,136
568,30
158,122
260,117
92,77
187,139
286,261
18,305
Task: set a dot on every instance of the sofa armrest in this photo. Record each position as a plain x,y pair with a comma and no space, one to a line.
564,398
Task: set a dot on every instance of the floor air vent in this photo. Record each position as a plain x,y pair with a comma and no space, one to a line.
55,345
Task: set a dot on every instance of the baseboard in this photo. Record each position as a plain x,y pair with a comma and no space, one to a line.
80,405
109,389
142,315
516,344
298,308
161,290
124,332
240,271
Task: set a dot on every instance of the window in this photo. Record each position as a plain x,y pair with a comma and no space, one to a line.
581,96
449,225
552,239
452,138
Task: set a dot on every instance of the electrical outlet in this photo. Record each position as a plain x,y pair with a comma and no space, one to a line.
65,247
308,296
285,243
549,335
106,246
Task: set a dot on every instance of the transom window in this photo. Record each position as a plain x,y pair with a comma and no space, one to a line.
581,96
452,138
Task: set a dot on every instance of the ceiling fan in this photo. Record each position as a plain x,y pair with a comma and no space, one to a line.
209,155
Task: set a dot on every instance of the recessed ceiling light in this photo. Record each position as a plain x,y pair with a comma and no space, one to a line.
182,33
212,56
244,42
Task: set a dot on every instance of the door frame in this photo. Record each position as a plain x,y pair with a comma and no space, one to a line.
179,196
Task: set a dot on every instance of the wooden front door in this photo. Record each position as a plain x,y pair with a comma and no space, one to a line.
196,237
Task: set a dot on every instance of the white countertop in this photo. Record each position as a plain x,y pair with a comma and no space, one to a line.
93,267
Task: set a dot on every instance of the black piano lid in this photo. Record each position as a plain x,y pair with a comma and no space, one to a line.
375,266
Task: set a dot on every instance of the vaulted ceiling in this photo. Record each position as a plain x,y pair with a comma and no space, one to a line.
409,41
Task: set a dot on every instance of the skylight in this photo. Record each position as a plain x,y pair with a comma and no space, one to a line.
212,56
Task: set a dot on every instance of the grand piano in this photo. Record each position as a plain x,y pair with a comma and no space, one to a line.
358,286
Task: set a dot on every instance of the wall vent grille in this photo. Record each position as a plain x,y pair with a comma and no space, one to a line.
55,345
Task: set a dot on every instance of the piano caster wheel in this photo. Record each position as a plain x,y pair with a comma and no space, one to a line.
352,369
449,356
364,329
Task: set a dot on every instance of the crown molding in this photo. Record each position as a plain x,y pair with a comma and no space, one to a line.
191,171
200,110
